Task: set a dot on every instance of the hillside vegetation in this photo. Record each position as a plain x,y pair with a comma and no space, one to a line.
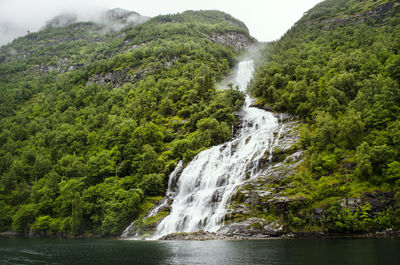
92,122
338,69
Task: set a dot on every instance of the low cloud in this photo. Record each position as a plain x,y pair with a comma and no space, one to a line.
266,19
17,17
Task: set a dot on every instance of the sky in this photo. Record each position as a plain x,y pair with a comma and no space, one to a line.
267,20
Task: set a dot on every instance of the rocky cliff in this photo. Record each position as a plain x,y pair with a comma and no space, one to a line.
237,40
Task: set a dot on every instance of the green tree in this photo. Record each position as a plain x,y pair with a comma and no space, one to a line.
24,217
42,224
77,223
153,184
363,158
100,166
213,131
351,128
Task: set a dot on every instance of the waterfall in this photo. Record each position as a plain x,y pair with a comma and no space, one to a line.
207,183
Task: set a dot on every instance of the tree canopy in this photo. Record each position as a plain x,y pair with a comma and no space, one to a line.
92,123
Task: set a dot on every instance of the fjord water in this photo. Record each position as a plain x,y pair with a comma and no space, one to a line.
208,182
289,252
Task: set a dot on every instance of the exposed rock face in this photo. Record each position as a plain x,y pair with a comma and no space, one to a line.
62,66
118,78
379,201
239,41
349,203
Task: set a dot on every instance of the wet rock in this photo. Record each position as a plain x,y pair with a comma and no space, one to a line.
238,210
160,206
192,236
146,226
264,193
285,117
262,106
252,227
297,156
174,179
279,171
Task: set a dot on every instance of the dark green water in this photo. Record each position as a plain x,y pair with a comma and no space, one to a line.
310,251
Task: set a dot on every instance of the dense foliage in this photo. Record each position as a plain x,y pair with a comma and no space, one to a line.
338,69
92,123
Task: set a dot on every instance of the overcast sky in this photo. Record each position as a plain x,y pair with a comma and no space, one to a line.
267,20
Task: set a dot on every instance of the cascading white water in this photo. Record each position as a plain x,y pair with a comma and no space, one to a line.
208,182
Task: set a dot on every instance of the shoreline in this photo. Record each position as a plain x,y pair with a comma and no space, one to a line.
210,236
204,236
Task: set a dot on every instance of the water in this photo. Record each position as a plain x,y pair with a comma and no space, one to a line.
208,182
287,252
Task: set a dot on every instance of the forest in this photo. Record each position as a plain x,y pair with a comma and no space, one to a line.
92,123
338,70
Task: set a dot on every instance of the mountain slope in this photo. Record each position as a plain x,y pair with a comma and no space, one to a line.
338,70
92,121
